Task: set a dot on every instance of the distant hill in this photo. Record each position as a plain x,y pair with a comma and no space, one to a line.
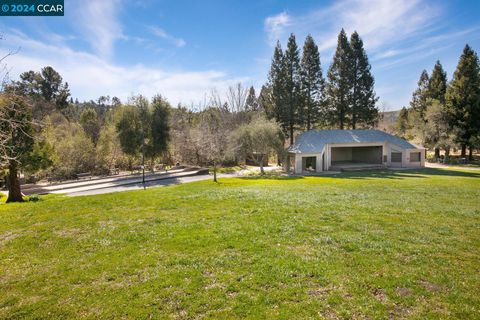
387,118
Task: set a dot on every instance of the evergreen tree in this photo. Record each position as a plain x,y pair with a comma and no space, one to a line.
251,103
129,130
338,86
312,83
463,99
276,85
437,85
420,95
362,105
419,104
159,129
265,101
292,87
402,125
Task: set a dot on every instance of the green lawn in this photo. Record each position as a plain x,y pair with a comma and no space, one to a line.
362,245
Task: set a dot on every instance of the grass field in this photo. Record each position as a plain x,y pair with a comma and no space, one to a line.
376,245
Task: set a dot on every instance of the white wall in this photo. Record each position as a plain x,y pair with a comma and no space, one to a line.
417,164
298,161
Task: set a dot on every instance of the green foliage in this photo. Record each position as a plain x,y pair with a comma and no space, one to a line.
46,84
159,128
363,100
74,151
312,84
145,125
91,124
463,97
129,129
41,157
276,85
258,139
108,150
265,103
251,103
420,96
437,129
293,103
437,85
402,124
17,130
378,245
339,84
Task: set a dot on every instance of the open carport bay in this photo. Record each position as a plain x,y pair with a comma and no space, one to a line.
345,157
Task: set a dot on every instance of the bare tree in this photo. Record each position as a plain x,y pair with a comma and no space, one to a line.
236,97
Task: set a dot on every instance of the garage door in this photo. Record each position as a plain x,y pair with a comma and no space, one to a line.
396,157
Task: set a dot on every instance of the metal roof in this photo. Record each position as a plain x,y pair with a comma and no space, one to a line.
313,141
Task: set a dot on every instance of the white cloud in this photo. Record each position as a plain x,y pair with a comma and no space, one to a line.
98,22
161,33
379,22
275,25
91,76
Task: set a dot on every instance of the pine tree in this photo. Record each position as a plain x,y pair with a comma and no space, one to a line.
463,99
251,103
276,85
292,86
418,106
363,99
437,85
401,125
420,95
312,83
265,101
339,85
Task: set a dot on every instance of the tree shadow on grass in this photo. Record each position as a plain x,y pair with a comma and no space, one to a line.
272,177
403,174
421,173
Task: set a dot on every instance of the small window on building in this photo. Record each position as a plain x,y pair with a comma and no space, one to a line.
415,157
396,156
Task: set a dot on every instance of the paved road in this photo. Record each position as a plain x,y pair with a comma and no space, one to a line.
129,182
175,179
139,186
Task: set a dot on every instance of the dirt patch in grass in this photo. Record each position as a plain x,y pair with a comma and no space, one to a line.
321,292
4,238
432,287
403,292
380,295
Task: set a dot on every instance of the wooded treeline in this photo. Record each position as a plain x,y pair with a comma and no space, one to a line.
46,134
445,115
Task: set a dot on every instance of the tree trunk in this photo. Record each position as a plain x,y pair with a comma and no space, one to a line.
214,171
262,172
464,151
14,191
291,134
470,153
437,153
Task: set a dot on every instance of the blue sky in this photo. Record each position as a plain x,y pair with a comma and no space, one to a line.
185,49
